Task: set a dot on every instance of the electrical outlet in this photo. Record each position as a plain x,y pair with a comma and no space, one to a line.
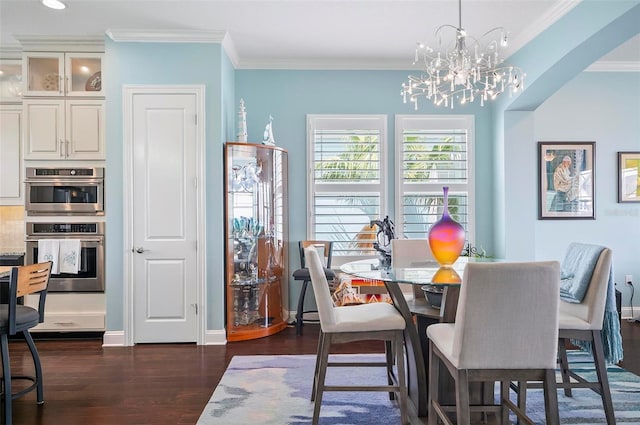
628,279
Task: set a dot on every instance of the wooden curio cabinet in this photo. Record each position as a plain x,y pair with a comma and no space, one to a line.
256,239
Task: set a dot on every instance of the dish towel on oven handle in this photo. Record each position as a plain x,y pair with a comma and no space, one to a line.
69,256
48,250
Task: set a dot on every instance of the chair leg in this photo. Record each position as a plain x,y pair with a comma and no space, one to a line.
388,351
463,411
504,395
315,373
522,398
6,368
300,311
322,374
37,366
564,365
551,397
601,371
432,390
403,393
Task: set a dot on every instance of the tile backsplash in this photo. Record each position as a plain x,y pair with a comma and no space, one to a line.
12,228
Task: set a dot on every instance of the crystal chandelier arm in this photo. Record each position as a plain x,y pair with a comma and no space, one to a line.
503,35
466,70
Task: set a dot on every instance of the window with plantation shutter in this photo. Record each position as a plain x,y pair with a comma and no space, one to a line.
431,152
346,181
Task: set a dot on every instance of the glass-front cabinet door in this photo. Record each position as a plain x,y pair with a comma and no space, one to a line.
10,80
83,74
63,74
44,74
256,240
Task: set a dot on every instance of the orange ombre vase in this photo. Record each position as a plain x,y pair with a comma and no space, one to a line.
446,236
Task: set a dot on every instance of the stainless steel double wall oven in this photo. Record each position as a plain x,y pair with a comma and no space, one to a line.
71,199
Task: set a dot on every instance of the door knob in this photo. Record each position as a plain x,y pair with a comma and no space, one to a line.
139,250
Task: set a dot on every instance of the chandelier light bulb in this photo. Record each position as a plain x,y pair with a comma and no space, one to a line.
453,72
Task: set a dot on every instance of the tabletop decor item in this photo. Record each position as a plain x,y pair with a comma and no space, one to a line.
267,138
446,236
94,83
386,232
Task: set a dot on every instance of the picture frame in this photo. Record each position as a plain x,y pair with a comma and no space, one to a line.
628,177
566,180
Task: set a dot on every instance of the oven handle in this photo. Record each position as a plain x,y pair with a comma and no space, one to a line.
101,240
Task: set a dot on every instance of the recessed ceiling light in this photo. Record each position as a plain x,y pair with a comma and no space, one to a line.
54,4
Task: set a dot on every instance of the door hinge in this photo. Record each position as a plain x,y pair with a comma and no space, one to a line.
196,119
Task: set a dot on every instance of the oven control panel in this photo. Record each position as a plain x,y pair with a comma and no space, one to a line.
41,229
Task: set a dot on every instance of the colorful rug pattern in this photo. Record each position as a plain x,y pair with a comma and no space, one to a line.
275,390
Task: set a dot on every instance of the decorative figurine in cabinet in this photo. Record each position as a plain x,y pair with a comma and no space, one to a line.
256,239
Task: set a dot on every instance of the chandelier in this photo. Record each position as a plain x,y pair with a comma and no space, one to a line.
464,70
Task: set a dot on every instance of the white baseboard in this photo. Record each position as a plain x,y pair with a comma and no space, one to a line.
113,339
310,316
215,337
628,314
116,338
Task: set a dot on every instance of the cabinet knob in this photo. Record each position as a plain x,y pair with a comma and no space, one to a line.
139,250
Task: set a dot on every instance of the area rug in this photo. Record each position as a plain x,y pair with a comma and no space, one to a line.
275,390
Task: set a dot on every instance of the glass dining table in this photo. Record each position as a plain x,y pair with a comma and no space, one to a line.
418,313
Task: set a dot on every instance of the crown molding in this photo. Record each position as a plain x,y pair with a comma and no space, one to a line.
556,12
230,49
614,66
328,64
166,36
46,43
13,51
177,36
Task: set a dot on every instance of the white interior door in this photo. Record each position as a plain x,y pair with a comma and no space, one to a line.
164,225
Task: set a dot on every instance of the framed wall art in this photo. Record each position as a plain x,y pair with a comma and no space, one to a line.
566,180
628,177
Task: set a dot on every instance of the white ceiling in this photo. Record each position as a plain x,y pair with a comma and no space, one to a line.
298,33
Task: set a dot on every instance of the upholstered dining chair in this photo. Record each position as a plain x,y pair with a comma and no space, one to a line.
404,253
303,274
374,321
582,324
14,318
506,329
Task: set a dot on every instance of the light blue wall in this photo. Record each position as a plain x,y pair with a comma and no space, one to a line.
165,64
552,59
505,175
591,29
290,95
604,108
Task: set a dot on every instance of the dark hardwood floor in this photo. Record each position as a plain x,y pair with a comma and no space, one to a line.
160,383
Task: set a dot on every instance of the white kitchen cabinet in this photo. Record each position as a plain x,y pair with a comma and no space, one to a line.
62,74
10,158
70,311
64,129
11,80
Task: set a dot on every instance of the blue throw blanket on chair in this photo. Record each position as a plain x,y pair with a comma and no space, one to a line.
577,269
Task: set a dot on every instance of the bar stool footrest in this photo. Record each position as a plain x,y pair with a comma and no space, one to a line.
33,386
